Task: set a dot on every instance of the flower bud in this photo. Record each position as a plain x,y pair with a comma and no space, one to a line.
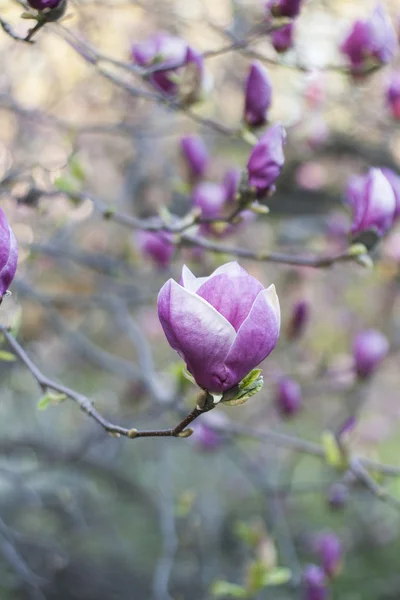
369,349
222,326
195,154
205,438
266,160
284,8
329,549
393,95
179,65
373,202
282,38
299,319
157,245
338,495
257,96
230,184
8,254
394,181
288,397
210,198
370,41
314,583
43,4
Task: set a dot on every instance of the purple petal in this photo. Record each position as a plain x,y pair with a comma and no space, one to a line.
256,338
210,198
200,335
394,181
231,296
381,204
258,95
8,271
383,35
195,154
189,281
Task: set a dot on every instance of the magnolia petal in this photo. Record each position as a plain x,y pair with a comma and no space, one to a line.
189,281
200,335
256,337
7,273
231,295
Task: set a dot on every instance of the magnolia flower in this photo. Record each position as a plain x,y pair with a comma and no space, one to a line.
8,254
209,197
298,319
288,397
230,184
370,40
176,66
330,552
394,180
43,4
284,8
157,245
195,154
369,349
258,94
282,38
315,583
266,159
222,326
393,95
372,199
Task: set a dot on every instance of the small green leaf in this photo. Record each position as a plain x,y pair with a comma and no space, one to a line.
65,184
7,356
76,169
50,399
250,378
333,454
357,250
249,137
249,386
278,576
224,588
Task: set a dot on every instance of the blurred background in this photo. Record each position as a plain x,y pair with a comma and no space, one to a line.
84,515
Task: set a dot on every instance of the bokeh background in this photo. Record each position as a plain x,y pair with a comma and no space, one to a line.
84,515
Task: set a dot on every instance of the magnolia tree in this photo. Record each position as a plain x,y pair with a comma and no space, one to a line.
161,165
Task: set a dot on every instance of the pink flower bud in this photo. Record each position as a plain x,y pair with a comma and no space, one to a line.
329,550
372,199
8,254
222,326
371,40
282,38
170,58
299,319
393,95
210,198
196,156
43,4
394,181
338,496
257,96
157,245
284,8
315,587
205,438
266,159
288,397
231,185
369,349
